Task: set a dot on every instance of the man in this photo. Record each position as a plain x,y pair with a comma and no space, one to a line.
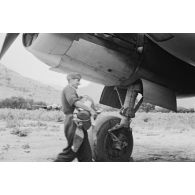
71,100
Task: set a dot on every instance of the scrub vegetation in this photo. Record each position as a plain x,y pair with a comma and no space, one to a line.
36,115
157,136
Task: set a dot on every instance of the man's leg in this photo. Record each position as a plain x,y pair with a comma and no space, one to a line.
84,153
67,154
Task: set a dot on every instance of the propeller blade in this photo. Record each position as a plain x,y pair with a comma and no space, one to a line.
9,39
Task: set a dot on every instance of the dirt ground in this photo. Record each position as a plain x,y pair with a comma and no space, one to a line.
39,141
163,147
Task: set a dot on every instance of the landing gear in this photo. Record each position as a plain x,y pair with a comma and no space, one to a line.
113,139
112,145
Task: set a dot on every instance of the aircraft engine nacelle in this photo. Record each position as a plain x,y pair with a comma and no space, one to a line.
95,57
55,44
49,48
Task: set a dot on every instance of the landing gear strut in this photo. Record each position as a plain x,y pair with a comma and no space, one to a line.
129,109
114,139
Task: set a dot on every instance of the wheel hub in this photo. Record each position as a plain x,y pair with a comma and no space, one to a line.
116,144
119,142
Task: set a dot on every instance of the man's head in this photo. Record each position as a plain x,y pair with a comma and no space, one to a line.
74,79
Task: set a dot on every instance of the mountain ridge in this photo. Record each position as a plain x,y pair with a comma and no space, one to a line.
14,84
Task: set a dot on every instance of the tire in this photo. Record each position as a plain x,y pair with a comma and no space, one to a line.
103,150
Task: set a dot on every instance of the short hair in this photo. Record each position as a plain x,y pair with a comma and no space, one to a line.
73,75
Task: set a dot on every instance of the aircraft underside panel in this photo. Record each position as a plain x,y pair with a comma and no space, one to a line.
152,93
159,95
110,97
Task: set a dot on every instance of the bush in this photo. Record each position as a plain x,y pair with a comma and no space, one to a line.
14,116
19,103
146,107
185,110
12,120
162,110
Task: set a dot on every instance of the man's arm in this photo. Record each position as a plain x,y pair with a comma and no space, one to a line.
73,99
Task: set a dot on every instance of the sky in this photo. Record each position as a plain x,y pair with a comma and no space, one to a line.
20,60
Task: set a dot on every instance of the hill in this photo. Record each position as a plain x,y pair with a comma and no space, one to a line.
14,84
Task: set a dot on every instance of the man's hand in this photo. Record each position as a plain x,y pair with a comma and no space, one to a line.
93,113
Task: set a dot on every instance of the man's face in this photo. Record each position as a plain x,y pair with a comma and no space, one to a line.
74,82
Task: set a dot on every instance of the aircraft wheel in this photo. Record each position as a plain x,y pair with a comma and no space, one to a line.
114,147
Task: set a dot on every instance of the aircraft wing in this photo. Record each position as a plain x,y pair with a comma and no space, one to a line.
181,45
163,62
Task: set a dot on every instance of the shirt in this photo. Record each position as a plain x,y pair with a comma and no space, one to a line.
69,97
